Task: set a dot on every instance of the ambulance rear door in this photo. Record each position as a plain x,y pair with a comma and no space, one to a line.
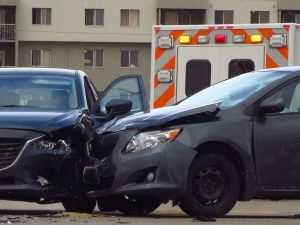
201,66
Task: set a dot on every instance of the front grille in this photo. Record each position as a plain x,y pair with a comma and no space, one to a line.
9,151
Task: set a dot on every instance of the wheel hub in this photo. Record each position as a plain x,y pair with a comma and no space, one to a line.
209,184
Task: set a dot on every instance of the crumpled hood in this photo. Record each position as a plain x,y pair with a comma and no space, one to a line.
42,121
156,117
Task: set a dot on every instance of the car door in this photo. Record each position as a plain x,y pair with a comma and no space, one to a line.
277,142
129,87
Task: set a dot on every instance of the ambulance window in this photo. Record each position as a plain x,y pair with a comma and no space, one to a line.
240,66
198,76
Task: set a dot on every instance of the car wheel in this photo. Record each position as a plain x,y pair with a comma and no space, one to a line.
108,204
138,206
79,204
213,186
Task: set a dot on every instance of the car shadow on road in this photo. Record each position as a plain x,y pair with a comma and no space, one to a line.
20,212
61,213
175,216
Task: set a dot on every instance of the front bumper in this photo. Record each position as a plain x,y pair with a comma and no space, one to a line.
161,171
32,174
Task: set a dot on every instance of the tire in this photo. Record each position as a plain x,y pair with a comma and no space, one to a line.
213,186
137,206
79,204
108,204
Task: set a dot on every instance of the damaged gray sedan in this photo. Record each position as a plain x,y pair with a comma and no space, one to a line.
236,140
44,131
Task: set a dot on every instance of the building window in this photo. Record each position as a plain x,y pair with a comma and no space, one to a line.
129,58
2,16
290,16
130,18
182,16
93,58
41,16
41,57
260,16
94,17
224,16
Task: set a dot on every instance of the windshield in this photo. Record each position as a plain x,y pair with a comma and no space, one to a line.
233,91
39,91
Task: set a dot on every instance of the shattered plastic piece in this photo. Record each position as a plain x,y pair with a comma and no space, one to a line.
4,220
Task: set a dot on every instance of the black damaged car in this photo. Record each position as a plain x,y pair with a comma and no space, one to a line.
43,132
236,140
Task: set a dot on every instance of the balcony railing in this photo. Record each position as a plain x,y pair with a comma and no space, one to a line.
7,32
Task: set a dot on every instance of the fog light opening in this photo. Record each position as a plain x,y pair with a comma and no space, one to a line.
150,177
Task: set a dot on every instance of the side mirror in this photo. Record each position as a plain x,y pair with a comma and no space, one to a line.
118,107
271,105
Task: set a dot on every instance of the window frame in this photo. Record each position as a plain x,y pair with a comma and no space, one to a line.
42,50
294,13
45,10
201,13
259,16
94,17
94,58
129,59
223,16
130,25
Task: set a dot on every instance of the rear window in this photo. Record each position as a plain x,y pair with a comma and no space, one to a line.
198,76
239,66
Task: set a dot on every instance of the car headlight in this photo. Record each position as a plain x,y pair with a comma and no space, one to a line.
49,145
150,139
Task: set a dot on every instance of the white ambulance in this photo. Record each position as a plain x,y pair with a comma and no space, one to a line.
189,58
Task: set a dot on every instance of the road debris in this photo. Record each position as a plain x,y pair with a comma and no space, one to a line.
9,219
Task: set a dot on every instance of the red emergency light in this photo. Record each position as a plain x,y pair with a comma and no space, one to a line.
220,39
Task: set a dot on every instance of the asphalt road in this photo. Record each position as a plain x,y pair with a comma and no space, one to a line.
254,212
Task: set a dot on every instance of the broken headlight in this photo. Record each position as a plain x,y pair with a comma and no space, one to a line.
49,145
150,139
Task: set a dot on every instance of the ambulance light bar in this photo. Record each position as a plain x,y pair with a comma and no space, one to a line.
256,38
278,40
220,39
185,39
165,76
239,38
165,42
203,39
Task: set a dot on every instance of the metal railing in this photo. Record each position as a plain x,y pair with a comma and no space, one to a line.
7,32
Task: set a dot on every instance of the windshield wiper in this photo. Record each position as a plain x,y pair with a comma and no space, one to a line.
8,106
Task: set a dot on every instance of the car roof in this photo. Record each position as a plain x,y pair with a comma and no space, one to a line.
38,71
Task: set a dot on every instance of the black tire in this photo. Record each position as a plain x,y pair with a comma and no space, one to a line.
137,206
108,204
213,186
79,204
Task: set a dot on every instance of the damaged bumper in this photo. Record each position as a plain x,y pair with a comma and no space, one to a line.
161,171
27,172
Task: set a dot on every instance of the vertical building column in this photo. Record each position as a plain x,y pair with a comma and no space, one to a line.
16,53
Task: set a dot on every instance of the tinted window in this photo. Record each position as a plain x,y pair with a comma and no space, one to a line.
240,66
198,76
41,91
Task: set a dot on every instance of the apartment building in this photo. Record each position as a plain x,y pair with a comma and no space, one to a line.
107,39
